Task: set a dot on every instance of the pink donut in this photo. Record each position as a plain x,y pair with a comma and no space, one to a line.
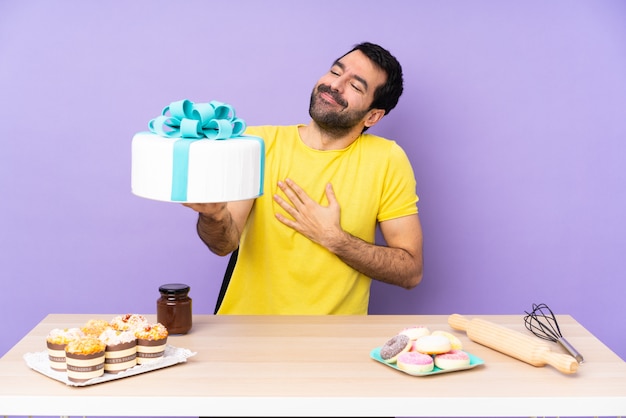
412,362
393,347
453,359
432,344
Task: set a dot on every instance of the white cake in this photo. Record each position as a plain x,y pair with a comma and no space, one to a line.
196,170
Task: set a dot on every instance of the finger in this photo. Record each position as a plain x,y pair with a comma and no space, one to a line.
192,206
297,190
286,221
287,191
330,194
286,206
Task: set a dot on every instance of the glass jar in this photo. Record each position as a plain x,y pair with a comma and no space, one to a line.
174,308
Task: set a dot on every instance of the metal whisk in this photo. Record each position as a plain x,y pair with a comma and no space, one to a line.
542,322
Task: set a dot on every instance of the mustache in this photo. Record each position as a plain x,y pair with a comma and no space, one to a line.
335,95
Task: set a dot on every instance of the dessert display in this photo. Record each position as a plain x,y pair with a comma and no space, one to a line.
197,152
417,351
123,346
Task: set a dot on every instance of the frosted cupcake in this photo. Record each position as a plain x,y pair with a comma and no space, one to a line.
151,341
95,327
85,359
129,322
121,350
56,341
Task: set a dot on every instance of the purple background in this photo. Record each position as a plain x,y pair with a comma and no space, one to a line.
514,116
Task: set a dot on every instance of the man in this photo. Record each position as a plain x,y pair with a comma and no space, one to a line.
307,245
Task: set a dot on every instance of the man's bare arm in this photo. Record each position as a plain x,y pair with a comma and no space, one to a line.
220,224
399,263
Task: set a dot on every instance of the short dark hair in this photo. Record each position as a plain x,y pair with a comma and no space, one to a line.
387,95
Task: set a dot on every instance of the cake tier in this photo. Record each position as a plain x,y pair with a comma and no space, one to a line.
208,171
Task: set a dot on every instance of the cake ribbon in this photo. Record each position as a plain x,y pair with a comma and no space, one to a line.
213,120
187,121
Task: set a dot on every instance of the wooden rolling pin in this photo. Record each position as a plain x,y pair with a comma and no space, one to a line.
512,343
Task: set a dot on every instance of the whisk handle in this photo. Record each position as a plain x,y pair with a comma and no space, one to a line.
570,349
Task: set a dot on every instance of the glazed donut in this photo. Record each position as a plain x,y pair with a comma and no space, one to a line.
415,363
453,359
393,347
432,344
415,332
455,343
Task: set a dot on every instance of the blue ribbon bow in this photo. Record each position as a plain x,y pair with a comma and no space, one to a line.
213,120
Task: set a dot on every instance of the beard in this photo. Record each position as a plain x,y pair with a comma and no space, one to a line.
335,122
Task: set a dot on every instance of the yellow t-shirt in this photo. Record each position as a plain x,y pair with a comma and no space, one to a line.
279,271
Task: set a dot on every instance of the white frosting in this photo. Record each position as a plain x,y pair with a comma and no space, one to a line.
415,332
432,344
66,334
219,170
455,343
113,337
130,322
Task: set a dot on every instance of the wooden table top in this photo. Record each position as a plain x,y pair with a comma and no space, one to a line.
320,366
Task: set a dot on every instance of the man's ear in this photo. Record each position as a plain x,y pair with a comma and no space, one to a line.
373,116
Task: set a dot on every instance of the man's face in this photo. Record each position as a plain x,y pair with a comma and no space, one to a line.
341,98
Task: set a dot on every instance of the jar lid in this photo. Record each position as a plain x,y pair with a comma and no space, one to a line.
174,288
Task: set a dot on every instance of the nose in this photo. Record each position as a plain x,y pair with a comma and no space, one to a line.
338,84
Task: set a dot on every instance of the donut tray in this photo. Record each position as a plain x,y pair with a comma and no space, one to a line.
474,361
173,355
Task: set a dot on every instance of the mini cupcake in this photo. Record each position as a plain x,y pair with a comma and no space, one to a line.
56,341
121,350
95,327
151,341
129,322
85,359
